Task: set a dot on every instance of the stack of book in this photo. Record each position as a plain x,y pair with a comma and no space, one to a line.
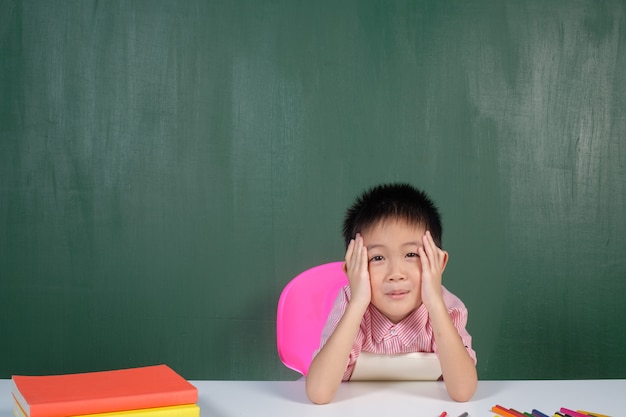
150,391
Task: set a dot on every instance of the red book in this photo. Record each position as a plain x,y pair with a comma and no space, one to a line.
102,392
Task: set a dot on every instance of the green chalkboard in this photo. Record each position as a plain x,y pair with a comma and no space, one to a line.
166,167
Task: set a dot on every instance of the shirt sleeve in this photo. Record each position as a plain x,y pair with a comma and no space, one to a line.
339,307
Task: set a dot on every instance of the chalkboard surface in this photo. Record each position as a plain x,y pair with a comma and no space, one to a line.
166,167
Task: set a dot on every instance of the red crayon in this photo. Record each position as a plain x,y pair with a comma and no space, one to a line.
516,413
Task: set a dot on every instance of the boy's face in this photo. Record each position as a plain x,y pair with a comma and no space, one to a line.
394,266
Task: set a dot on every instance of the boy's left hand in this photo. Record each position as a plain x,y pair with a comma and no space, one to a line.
433,263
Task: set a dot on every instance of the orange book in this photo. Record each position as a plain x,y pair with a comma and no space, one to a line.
101,392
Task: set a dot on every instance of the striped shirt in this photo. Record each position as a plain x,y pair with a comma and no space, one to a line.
378,335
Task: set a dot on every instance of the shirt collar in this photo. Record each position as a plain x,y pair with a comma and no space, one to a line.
406,330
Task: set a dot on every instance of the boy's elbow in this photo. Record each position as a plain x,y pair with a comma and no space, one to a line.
462,397
464,393
319,399
318,394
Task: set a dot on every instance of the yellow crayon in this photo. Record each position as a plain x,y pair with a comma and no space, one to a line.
591,413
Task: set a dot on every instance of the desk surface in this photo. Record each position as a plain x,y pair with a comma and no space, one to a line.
413,399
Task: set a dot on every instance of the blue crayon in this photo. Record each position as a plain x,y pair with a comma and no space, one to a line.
538,413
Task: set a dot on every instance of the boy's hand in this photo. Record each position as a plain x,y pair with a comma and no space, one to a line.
356,267
433,263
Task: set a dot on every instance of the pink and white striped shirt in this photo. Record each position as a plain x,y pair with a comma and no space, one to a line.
379,335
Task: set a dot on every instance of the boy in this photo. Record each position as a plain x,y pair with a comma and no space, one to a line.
394,302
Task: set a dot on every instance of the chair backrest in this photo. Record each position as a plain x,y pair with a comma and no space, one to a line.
303,308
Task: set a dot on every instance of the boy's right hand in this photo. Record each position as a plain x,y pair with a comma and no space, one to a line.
357,269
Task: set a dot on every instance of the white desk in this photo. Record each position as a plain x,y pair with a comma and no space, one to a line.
380,399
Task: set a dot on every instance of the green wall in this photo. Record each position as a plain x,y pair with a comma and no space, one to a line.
167,166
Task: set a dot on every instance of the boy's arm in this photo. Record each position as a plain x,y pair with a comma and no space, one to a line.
457,366
328,366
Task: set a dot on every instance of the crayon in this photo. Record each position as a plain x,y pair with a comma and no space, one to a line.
464,414
591,413
516,413
572,412
444,414
538,413
504,412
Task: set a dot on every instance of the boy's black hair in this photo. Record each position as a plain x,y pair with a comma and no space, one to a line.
395,201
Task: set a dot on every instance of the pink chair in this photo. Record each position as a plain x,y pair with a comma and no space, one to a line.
303,308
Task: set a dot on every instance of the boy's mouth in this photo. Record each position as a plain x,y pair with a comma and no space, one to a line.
397,294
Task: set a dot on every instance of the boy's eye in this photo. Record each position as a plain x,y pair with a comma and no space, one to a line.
376,258
412,255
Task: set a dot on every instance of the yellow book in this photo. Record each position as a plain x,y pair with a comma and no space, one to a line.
189,410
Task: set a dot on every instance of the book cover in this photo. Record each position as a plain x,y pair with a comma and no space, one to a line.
102,391
190,410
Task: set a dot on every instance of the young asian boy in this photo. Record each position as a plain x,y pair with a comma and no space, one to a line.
395,303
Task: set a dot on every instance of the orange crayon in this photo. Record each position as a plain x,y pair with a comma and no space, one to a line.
504,412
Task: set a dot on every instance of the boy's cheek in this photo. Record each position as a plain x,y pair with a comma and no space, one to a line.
375,281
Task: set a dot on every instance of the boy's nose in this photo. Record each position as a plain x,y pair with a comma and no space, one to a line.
396,272
396,277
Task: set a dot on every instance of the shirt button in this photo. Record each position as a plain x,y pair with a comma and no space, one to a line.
393,331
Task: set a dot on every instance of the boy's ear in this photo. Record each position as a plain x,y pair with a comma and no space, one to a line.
345,268
445,261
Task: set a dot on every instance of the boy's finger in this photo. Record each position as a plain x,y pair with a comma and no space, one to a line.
423,258
435,251
364,257
427,246
349,250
